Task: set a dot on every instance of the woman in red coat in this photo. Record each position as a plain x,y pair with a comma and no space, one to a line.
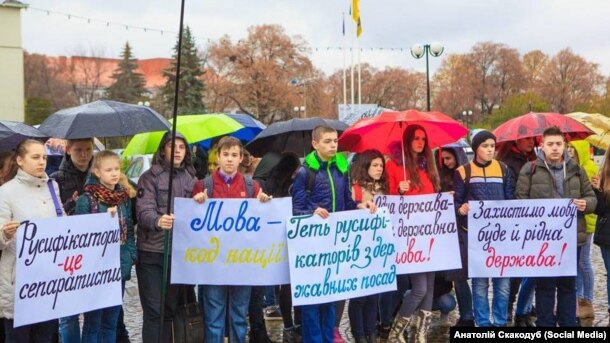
414,172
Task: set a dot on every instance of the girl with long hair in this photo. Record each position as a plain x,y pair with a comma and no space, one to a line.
28,194
368,179
416,175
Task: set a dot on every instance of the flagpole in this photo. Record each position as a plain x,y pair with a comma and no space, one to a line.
352,73
359,77
344,71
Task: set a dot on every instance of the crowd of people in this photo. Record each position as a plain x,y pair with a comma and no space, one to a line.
323,183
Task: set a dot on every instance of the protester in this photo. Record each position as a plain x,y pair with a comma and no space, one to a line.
275,174
71,178
601,186
73,171
248,164
29,194
580,151
103,193
555,175
368,179
330,192
450,158
484,178
414,172
515,154
227,182
153,221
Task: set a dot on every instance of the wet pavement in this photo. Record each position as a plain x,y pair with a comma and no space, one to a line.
133,310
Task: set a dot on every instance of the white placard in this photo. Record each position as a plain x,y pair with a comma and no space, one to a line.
350,254
425,232
522,238
230,242
66,266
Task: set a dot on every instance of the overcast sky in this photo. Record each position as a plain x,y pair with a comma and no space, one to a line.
548,25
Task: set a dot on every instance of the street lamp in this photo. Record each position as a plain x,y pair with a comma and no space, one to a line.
418,51
298,109
467,115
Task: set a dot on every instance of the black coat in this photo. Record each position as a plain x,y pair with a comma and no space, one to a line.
602,227
70,180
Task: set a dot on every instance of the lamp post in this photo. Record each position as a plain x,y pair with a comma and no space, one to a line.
298,109
418,51
467,115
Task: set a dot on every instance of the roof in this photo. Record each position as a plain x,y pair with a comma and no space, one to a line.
85,66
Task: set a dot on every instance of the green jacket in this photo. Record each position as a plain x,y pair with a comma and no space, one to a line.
539,185
584,160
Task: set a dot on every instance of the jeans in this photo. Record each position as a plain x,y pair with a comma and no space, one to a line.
606,257
565,290
463,295
420,295
69,329
362,313
525,299
108,324
215,307
318,322
33,333
584,276
444,303
149,270
499,312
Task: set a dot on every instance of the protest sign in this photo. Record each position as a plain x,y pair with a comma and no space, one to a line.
230,242
522,238
425,232
350,254
66,266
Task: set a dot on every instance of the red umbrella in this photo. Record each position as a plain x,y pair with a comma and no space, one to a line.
378,132
533,124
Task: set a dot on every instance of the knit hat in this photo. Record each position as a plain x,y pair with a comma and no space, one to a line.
481,137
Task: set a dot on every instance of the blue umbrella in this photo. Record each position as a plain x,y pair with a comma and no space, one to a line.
13,132
252,127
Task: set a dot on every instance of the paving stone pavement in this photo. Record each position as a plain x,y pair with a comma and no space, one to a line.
437,334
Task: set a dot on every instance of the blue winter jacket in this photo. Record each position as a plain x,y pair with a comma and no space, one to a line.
331,187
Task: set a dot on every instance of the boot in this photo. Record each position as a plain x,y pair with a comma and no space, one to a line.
586,312
372,338
421,333
398,327
523,321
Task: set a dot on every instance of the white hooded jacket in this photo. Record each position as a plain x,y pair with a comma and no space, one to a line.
24,197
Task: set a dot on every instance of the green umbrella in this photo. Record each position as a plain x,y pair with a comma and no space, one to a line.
195,128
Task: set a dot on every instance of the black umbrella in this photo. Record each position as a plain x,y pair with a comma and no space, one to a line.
13,133
103,118
291,135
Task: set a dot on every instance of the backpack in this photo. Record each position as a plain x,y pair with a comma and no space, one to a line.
310,177
208,184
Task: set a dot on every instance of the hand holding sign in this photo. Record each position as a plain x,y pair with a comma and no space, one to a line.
370,205
9,229
581,204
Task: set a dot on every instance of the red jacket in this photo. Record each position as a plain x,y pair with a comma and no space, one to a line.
236,189
395,175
